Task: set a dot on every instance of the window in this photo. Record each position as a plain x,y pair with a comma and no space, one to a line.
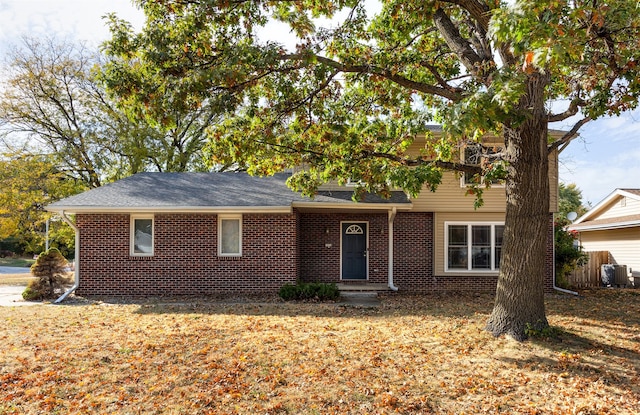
230,235
473,246
473,154
141,235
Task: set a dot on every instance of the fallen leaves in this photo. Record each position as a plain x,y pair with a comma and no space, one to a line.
413,355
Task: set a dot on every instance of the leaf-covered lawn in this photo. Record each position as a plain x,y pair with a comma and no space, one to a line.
412,355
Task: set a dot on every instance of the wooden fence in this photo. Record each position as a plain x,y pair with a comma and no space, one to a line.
588,276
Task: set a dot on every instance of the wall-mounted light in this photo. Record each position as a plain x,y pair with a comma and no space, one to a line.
326,231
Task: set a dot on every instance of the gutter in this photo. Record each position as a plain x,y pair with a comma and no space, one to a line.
76,282
392,216
555,287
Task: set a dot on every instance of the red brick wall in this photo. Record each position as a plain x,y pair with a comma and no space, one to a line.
318,263
550,265
185,260
413,251
277,249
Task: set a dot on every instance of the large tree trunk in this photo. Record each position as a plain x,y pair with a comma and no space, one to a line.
519,302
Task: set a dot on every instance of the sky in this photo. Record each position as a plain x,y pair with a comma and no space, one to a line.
606,156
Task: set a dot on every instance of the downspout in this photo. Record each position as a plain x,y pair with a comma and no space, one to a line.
555,287
392,216
76,282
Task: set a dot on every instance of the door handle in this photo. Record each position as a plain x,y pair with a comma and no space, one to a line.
365,253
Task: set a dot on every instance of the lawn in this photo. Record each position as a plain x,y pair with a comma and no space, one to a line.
412,355
16,262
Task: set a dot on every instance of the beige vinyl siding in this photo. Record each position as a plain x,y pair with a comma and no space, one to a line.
451,193
450,196
620,206
623,245
439,236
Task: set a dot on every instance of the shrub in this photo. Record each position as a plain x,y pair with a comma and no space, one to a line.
568,255
52,270
309,291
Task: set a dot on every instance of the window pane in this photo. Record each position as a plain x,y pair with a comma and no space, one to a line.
458,235
481,247
481,258
230,236
457,258
481,235
498,244
457,249
143,236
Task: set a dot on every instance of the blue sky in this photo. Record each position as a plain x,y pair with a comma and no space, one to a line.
605,157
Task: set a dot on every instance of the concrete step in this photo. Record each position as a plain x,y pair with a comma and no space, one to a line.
362,287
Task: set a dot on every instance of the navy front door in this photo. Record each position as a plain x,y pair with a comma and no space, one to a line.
354,251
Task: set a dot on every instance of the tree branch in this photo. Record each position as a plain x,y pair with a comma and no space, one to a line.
459,45
385,73
574,106
569,135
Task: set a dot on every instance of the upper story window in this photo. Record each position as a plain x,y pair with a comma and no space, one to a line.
473,154
473,246
230,235
141,243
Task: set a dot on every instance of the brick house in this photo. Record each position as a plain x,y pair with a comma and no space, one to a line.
205,233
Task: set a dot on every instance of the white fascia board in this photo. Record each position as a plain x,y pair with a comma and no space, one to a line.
177,209
605,226
604,202
353,205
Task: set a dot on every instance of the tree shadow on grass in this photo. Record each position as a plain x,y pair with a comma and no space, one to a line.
579,356
450,305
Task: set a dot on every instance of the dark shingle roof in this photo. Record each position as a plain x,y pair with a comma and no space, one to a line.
194,191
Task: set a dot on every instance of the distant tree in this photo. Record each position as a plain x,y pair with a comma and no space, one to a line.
28,183
52,98
348,100
570,200
49,99
568,255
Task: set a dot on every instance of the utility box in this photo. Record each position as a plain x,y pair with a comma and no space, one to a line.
614,275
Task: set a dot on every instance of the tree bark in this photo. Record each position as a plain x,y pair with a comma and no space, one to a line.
519,302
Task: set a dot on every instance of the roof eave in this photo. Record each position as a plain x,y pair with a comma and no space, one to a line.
172,209
604,226
353,205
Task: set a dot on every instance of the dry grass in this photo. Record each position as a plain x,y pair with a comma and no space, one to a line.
16,279
413,355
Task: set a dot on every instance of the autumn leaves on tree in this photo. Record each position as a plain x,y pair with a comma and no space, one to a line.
348,99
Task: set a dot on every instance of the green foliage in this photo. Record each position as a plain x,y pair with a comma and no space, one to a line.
568,255
570,200
309,291
28,183
347,102
545,333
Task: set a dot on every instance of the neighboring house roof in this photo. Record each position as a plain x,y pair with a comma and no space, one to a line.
589,221
219,191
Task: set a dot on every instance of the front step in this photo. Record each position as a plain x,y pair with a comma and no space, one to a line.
359,287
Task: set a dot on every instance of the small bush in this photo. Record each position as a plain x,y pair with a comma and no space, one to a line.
309,291
51,268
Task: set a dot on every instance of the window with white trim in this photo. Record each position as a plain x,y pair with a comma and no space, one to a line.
473,246
141,243
230,235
